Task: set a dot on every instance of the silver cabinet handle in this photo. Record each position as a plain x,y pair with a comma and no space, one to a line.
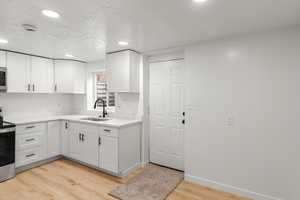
29,140
55,87
107,130
33,87
79,136
99,141
83,137
30,155
30,127
28,87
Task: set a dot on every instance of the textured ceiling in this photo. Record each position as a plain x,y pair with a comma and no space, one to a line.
89,28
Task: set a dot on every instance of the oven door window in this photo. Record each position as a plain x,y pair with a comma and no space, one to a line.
2,78
7,148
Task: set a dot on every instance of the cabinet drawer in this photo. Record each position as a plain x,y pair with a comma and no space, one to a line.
29,156
28,128
107,131
79,127
27,141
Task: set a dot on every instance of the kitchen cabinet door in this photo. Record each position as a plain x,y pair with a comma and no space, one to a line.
53,139
2,59
123,71
18,73
65,140
118,71
64,73
108,153
76,146
90,147
42,75
79,74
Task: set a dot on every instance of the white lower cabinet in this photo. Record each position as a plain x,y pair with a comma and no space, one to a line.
31,143
108,153
28,156
90,145
84,143
75,143
65,139
53,139
114,150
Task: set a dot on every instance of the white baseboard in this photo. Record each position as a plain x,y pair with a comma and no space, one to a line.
36,164
130,170
143,164
228,188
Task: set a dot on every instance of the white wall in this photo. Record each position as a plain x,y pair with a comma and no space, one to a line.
84,103
35,105
243,114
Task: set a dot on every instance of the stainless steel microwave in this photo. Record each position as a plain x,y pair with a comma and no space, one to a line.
3,74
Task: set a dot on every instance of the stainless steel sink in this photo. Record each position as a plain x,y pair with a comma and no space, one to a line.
95,119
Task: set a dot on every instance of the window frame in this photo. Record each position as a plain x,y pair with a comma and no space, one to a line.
108,108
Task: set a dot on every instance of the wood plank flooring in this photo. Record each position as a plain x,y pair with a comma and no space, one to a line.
67,180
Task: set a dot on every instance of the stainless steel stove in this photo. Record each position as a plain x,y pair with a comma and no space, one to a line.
7,150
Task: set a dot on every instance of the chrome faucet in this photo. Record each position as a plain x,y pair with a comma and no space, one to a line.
104,113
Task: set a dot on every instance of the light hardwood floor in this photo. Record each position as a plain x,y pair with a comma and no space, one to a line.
66,180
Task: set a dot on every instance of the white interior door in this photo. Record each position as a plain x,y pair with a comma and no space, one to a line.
167,114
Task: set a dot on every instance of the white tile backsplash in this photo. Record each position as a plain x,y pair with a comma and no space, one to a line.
34,105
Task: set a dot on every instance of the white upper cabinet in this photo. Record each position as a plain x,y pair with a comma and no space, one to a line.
69,77
123,71
2,59
63,76
18,73
42,75
29,74
33,74
79,77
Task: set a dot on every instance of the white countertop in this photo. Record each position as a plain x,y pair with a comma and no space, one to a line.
76,118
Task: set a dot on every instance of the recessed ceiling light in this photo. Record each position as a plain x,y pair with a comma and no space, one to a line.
3,41
50,13
69,55
123,43
200,1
